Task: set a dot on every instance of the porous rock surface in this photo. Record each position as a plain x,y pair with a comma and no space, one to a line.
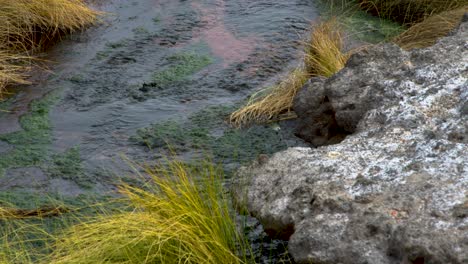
393,191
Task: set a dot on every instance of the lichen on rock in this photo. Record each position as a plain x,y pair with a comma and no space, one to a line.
395,189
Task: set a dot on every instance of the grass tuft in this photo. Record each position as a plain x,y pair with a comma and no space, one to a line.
269,103
425,33
30,25
324,56
181,216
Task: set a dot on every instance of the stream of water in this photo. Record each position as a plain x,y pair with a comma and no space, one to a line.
152,73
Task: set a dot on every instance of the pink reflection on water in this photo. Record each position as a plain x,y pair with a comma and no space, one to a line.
222,42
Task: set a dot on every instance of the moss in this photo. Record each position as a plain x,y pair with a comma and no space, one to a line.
68,166
182,65
31,143
207,132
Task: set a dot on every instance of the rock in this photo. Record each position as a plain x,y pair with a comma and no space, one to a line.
5,148
316,117
393,191
26,178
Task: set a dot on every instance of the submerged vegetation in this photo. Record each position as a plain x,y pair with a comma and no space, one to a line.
184,65
30,25
202,132
31,143
408,23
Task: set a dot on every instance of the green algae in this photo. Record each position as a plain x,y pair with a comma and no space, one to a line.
68,165
207,132
31,143
100,55
172,133
182,65
31,146
111,46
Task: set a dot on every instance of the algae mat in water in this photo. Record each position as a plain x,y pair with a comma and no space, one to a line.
207,132
31,146
182,66
31,143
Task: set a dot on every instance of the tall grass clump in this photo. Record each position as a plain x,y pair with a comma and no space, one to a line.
323,56
27,26
181,216
32,23
425,33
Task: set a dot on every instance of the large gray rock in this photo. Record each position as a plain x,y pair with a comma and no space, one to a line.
396,189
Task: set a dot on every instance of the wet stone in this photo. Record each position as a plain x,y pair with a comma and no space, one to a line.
5,148
64,187
24,178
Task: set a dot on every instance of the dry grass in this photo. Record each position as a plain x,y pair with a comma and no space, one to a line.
269,103
409,12
30,25
15,213
177,218
425,33
12,68
324,56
